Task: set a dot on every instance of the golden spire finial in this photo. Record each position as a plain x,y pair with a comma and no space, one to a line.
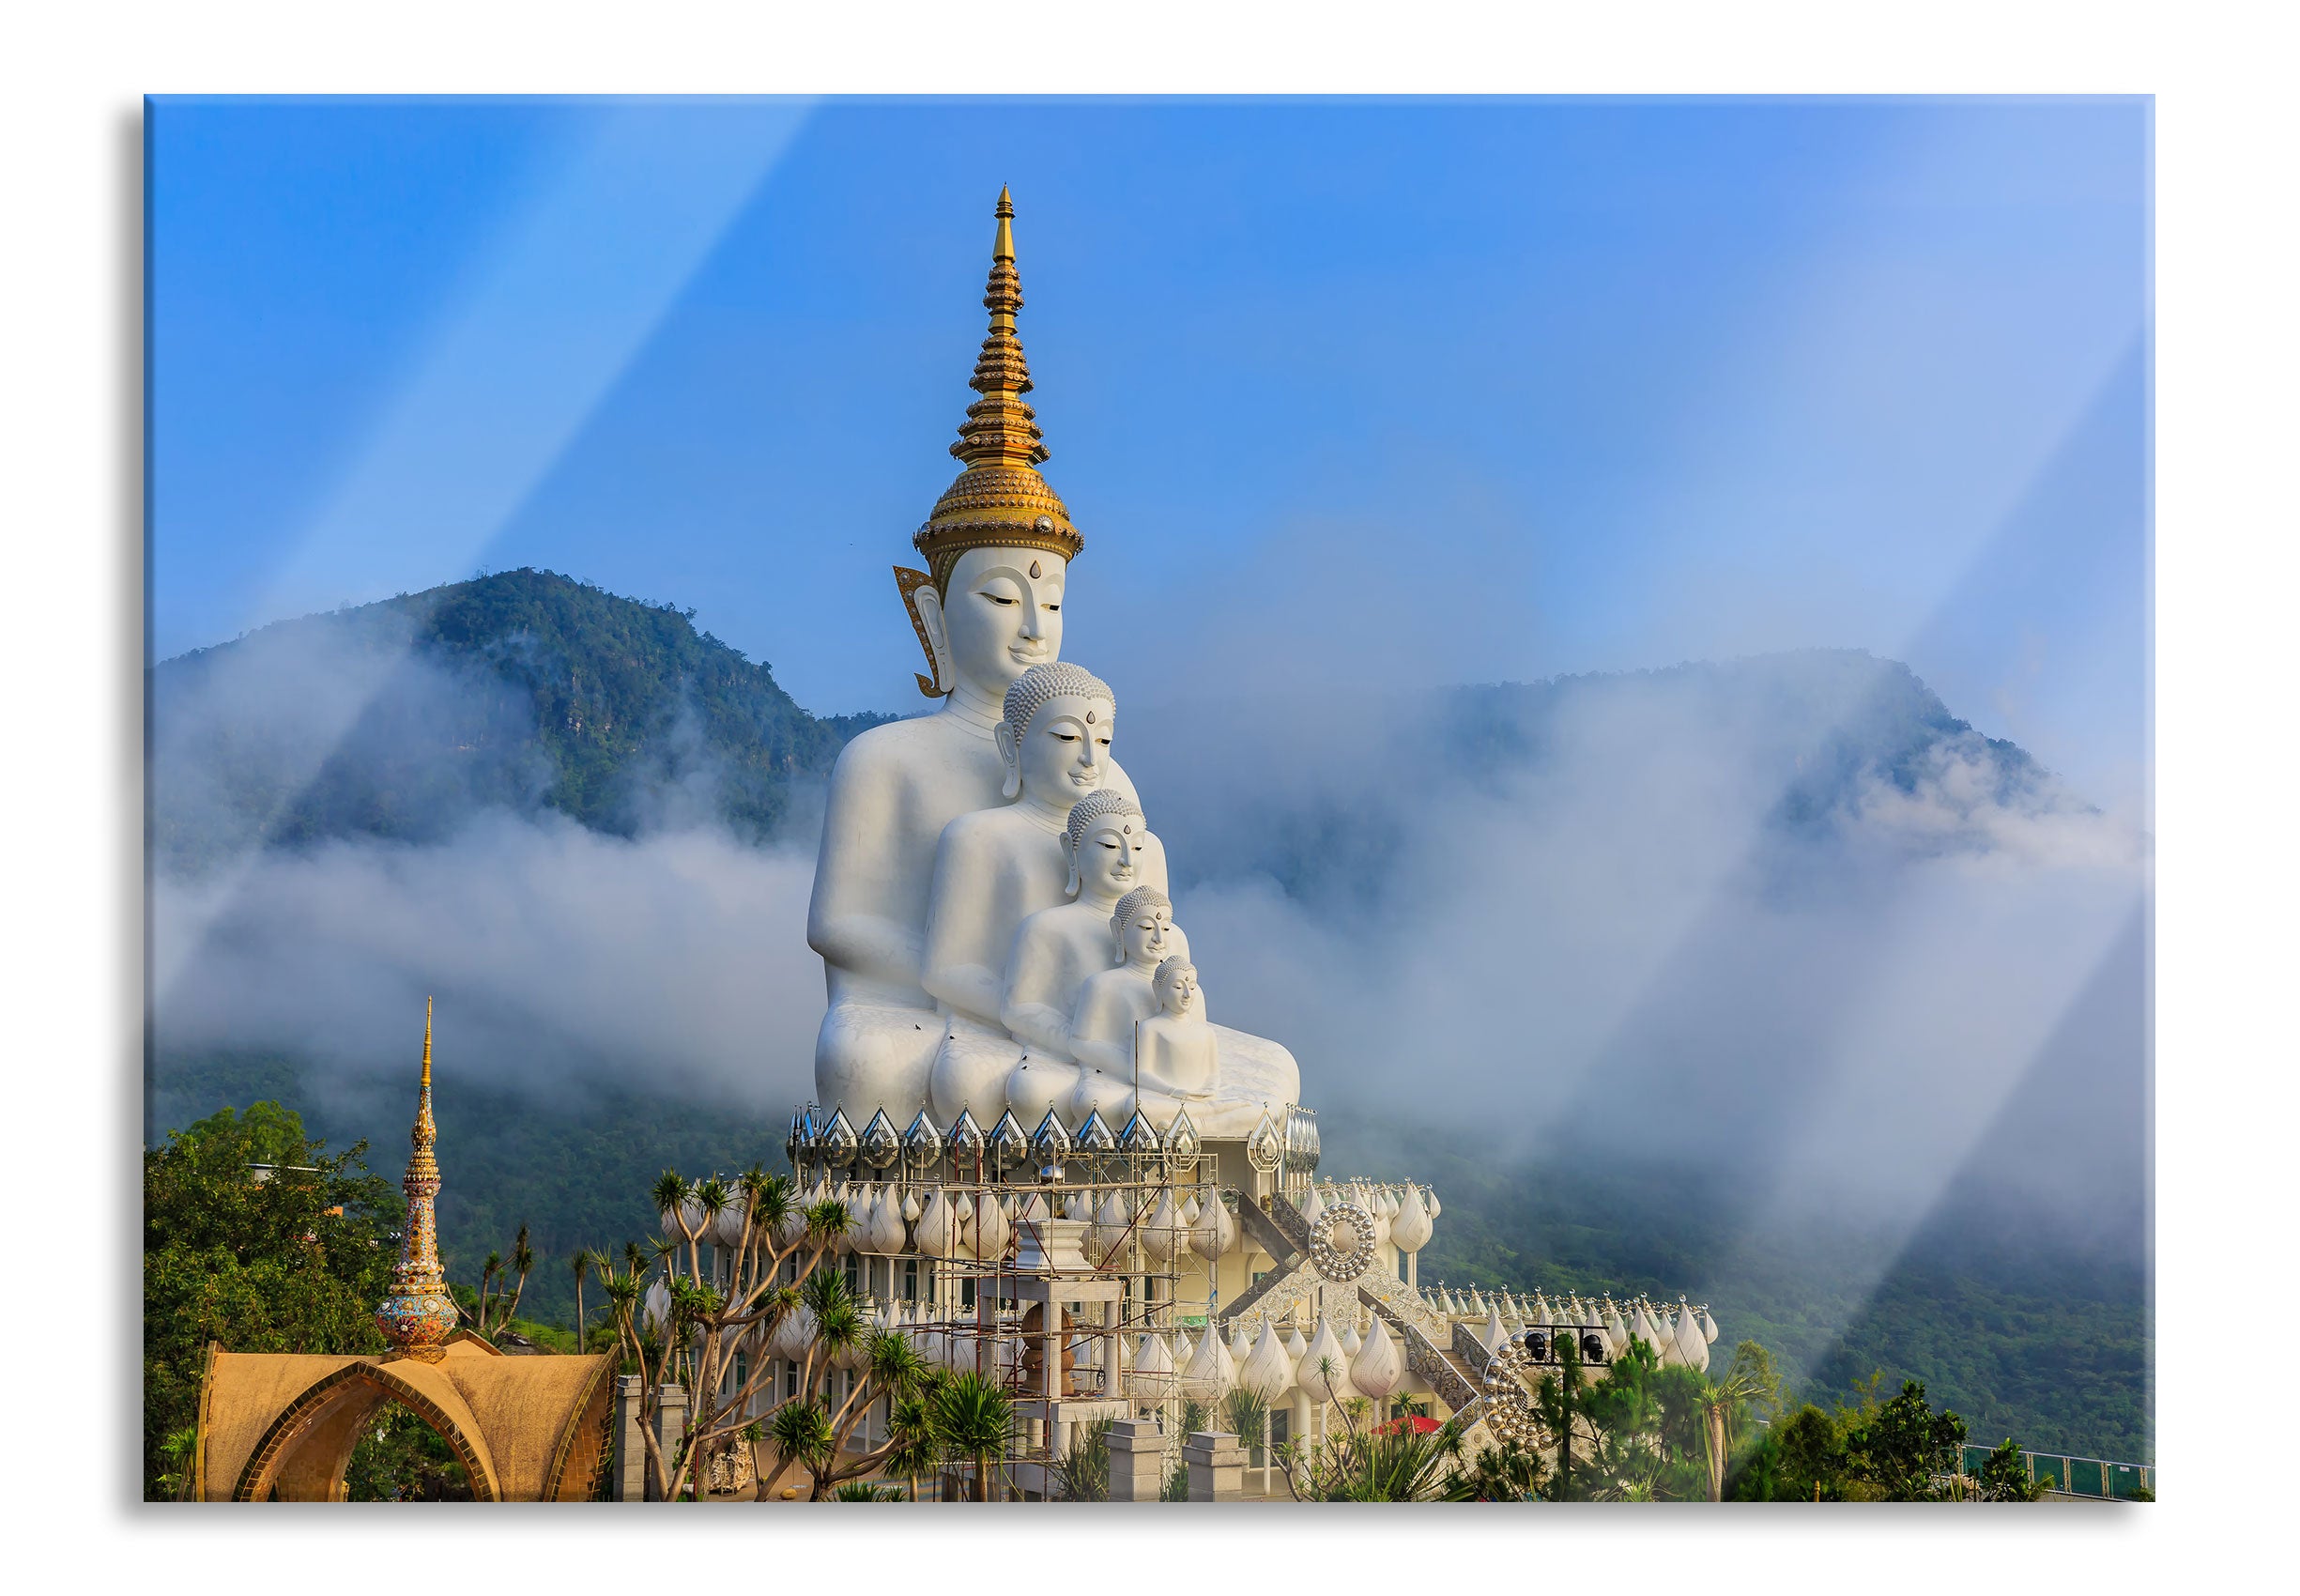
419,1315
1000,501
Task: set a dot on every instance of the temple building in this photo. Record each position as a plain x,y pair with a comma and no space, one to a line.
1061,1168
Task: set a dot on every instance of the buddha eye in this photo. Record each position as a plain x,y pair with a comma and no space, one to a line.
1000,598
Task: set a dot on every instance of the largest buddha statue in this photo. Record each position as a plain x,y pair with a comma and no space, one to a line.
986,609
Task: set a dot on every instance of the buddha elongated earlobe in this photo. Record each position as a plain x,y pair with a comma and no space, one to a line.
1117,939
935,629
1071,890
1011,756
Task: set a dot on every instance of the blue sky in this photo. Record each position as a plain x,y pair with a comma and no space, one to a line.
1346,391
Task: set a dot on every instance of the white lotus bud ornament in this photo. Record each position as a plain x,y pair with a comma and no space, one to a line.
1379,1369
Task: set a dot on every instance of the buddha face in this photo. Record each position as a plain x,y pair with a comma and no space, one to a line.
1109,855
1063,753
1002,615
1144,935
1178,990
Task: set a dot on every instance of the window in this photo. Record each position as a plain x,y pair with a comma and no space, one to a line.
910,1279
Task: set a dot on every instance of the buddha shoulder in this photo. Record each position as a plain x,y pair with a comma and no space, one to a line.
917,749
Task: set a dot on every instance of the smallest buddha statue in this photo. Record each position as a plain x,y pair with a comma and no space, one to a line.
1111,852
1112,1001
1173,1049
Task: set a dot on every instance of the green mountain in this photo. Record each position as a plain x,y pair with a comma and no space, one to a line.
523,689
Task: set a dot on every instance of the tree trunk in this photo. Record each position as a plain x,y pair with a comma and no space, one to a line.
1716,1418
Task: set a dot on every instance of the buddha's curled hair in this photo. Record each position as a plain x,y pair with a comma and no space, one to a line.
1171,969
1133,903
1035,687
1093,807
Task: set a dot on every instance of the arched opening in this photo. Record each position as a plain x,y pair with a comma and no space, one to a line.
308,1452
400,1458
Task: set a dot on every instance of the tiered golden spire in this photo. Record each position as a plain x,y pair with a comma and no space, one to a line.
1000,501
417,1314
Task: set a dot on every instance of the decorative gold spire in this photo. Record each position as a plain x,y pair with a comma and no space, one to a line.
1000,501
417,1314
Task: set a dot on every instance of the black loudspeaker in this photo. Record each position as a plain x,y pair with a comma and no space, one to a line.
1592,1348
1537,1346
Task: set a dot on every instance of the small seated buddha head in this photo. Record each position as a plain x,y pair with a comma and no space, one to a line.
1105,841
1141,928
1175,984
1055,735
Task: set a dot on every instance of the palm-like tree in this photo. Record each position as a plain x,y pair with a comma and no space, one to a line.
522,1260
584,1261
914,1444
1721,1403
975,1418
801,1433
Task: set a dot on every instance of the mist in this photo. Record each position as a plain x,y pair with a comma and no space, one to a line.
1777,920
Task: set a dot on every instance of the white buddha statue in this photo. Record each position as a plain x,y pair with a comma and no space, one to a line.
996,867
1113,999
1111,852
1173,1049
998,548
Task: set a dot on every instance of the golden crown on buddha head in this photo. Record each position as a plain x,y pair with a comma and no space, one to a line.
999,500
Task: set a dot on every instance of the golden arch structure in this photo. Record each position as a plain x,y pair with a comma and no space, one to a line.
280,1426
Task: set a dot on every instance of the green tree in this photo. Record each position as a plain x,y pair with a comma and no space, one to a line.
293,1258
1904,1447
2004,1476
1506,1473
976,1418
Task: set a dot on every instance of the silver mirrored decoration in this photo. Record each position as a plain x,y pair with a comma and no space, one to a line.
1262,1146
1182,1137
1341,1242
1095,1136
967,1141
922,1145
801,1141
1508,1407
839,1143
882,1144
1007,1146
1141,1138
1049,1144
1301,1139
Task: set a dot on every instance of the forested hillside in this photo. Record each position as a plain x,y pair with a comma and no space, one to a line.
523,690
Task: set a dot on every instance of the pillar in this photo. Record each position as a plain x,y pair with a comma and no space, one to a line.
630,1445
671,1428
1216,1464
1137,1461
